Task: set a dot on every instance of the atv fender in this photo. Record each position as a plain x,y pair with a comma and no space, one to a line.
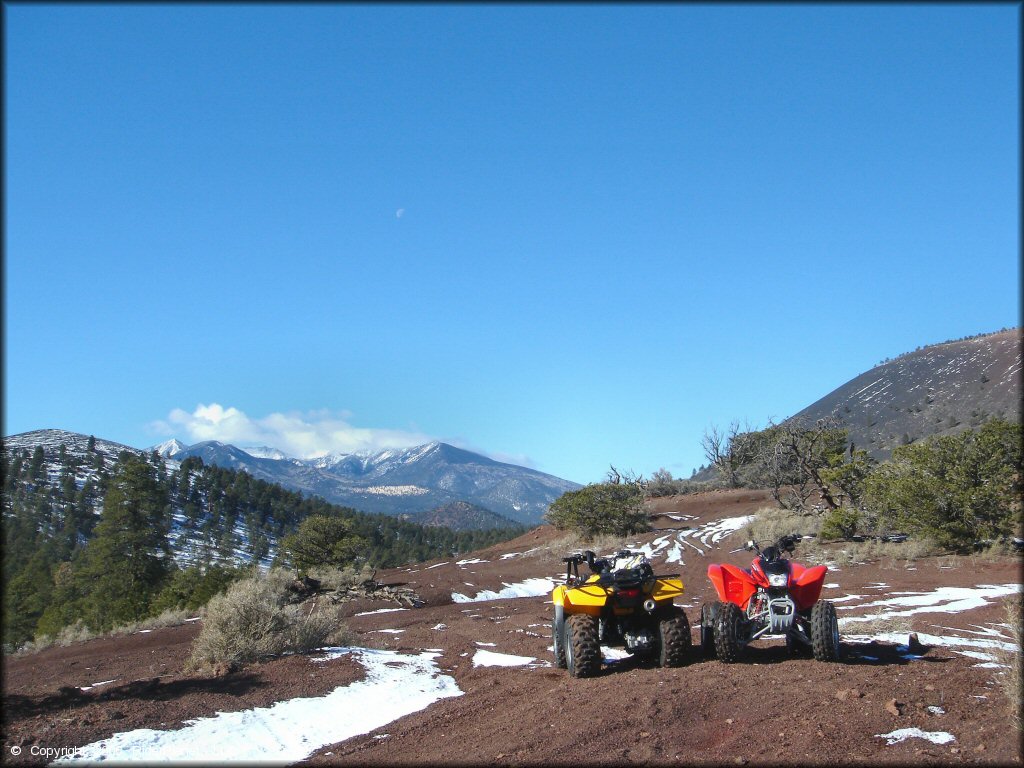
733,585
587,598
666,589
558,596
806,586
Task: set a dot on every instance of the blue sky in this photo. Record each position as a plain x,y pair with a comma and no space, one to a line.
566,236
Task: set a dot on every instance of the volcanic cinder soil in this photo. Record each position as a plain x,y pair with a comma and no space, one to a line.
482,657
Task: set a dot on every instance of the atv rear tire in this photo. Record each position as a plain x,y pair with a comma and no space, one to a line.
730,633
825,631
582,649
674,632
708,614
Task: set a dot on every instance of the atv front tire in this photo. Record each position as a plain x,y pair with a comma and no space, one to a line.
708,614
730,633
582,649
558,642
674,632
825,631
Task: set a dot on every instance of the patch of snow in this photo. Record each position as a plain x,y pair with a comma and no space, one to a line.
483,658
991,631
289,731
468,562
440,627
389,631
980,655
534,587
942,600
936,710
394,490
935,737
96,685
381,610
489,645
830,586
935,640
518,554
436,565
713,532
675,555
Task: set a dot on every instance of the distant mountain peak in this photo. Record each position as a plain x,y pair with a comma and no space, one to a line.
169,448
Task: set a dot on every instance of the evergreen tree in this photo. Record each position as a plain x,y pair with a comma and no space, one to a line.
615,508
954,489
27,595
127,561
321,541
35,471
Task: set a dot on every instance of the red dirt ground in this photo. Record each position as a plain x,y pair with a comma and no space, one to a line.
768,709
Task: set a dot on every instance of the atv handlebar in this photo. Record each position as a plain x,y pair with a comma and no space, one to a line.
787,543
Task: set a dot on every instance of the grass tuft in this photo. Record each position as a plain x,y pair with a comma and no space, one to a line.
1011,681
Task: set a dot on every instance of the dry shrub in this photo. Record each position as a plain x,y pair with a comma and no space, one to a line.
1011,680
879,624
74,633
771,523
79,632
334,579
253,620
172,617
600,544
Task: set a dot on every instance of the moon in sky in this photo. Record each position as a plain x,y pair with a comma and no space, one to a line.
399,213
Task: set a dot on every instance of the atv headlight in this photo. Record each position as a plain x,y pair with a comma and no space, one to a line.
778,579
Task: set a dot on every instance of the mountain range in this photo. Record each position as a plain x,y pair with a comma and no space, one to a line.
407,481
422,482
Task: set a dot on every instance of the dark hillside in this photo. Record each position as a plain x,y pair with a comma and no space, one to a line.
461,515
936,390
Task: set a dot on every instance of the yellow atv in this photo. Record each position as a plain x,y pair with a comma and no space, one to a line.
622,603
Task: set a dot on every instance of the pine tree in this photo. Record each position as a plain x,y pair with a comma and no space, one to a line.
127,561
322,541
35,470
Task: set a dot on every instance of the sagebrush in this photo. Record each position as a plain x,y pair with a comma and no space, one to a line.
253,620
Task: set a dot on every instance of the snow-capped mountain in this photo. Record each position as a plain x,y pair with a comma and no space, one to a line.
169,448
394,481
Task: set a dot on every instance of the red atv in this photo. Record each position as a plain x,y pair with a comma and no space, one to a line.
775,597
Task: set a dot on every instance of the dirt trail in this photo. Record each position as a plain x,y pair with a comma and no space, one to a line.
770,709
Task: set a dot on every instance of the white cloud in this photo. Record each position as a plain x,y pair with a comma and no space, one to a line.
302,435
